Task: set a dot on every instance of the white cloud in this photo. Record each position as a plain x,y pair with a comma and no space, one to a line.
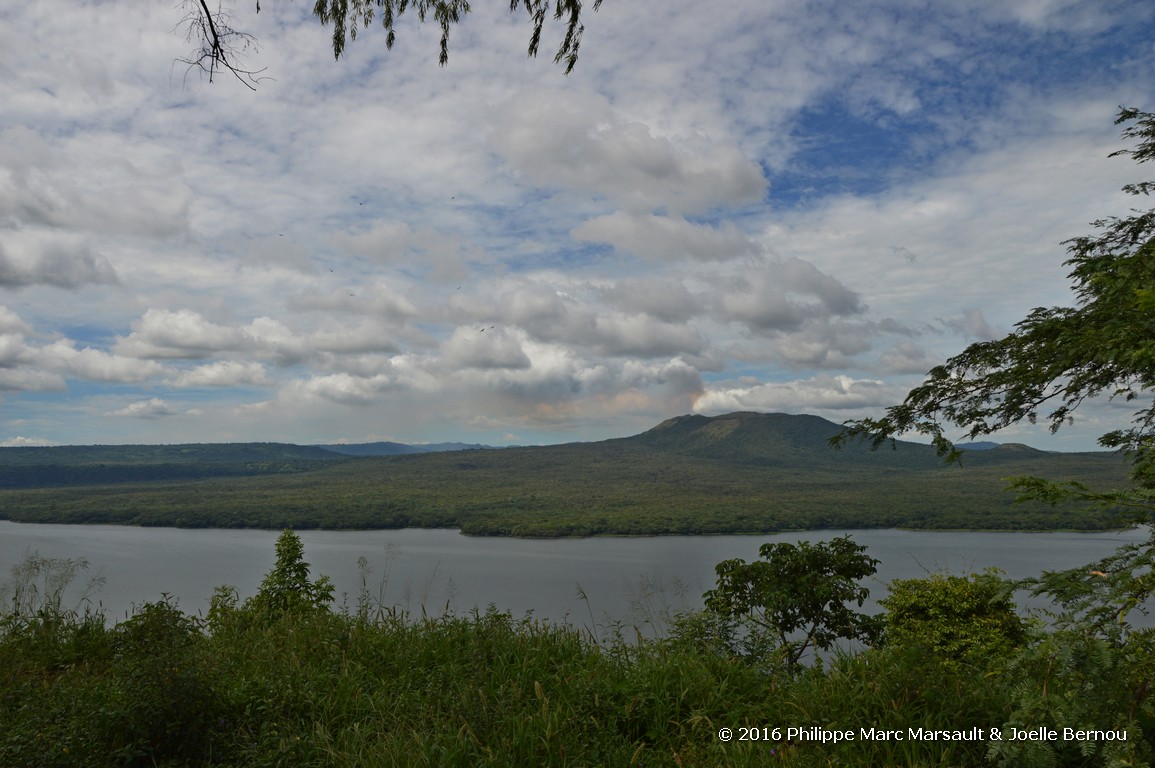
782,296
576,140
61,264
95,365
484,347
27,380
817,394
660,238
744,193
19,441
153,408
223,373
10,322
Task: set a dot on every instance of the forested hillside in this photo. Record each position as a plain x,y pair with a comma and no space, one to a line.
739,473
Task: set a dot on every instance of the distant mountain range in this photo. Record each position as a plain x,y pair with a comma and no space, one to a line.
736,473
767,439
397,449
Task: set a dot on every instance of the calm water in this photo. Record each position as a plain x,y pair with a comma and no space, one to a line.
623,578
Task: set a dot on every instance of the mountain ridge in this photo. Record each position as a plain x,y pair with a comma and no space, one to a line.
742,473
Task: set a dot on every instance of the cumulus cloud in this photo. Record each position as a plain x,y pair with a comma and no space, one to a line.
484,347
13,350
817,393
89,184
94,364
60,264
393,242
153,408
660,238
30,380
183,333
10,322
377,299
343,388
972,325
186,334
663,298
614,232
643,336
19,441
223,373
578,141
783,295
906,357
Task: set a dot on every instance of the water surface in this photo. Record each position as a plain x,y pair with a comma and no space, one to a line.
628,579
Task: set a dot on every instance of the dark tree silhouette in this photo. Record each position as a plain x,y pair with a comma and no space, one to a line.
221,47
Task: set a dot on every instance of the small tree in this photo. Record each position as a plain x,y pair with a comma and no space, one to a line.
287,588
794,599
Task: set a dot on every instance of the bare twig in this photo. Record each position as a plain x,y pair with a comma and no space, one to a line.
219,45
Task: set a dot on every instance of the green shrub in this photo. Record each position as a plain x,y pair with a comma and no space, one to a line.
959,619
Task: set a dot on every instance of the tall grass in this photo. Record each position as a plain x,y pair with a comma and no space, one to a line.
250,685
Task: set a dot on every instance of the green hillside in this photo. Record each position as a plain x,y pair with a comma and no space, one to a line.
739,473
38,467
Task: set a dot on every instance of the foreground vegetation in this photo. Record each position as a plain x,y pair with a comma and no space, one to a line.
282,679
739,473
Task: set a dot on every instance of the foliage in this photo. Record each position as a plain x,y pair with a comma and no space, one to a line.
795,589
1102,598
220,46
287,588
162,698
1070,678
1059,357
1093,672
960,620
363,687
741,473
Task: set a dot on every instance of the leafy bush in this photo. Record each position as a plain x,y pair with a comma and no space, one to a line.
959,619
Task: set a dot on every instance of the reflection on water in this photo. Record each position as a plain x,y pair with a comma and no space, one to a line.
628,579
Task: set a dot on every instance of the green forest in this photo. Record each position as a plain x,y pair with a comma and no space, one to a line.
948,675
738,473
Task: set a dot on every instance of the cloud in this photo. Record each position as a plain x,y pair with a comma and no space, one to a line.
183,333
615,232
11,323
577,141
69,265
343,388
906,357
783,295
153,408
223,373
95,365
20,441
664,298
187,334
818,393
29,380
661,238
484,347
393,242
973,325
89,183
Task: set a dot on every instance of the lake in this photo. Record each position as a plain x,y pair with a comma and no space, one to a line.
627,579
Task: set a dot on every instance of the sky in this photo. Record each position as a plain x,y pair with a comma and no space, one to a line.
758,205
